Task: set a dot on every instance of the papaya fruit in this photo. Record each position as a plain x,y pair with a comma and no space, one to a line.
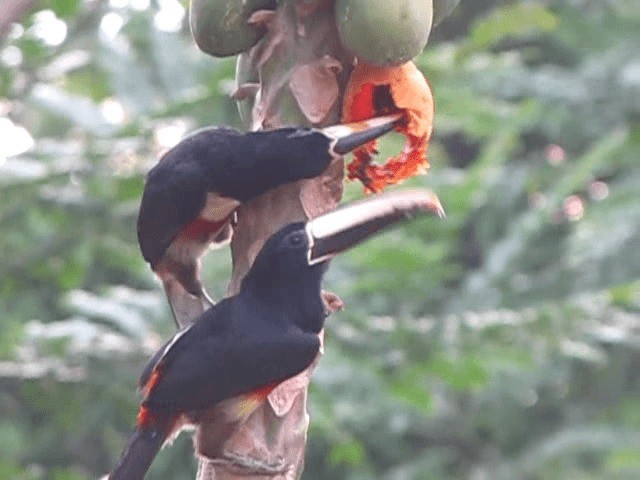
221,27
384,32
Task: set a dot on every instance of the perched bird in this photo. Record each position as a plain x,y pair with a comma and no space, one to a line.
224,364
191,194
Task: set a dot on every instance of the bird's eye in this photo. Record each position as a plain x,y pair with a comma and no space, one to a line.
296,239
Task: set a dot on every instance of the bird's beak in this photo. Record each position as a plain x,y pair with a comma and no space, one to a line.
336,231
349,136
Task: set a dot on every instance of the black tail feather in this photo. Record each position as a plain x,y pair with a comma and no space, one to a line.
141,449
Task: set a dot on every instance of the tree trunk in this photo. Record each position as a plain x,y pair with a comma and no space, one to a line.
302,71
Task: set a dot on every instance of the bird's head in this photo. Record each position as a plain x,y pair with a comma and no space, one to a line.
308,151
292,262
284,257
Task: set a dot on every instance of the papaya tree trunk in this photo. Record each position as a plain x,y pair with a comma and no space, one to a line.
295,75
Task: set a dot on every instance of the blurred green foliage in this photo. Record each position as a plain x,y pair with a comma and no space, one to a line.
502,342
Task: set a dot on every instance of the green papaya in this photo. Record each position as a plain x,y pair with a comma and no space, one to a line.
384,32
220,27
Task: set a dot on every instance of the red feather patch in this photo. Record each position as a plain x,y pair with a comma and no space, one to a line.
202,229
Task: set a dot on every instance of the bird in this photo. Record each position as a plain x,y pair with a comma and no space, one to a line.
191,194
224,364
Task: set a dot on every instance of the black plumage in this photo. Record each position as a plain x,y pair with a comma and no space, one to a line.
191,195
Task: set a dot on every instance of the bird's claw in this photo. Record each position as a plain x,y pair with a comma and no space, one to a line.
333,303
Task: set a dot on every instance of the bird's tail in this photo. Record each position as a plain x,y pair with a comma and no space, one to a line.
142,447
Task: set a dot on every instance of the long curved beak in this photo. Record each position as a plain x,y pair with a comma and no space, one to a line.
336,231
349,136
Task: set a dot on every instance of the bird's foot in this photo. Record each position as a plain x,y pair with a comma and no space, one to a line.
333,303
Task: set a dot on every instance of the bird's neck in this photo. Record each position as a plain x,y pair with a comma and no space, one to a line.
300,302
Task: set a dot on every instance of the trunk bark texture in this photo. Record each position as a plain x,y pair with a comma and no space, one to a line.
295,75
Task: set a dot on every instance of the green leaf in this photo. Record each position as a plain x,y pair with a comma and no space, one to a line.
624,460
410,389
465,373
65,8
347,453
515,20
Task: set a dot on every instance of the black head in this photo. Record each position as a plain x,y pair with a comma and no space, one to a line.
297,249
306,152
289,268
282,276
284,258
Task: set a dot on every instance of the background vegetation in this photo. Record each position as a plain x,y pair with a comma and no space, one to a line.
501,343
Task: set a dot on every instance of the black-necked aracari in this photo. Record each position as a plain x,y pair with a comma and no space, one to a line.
191,194
225,363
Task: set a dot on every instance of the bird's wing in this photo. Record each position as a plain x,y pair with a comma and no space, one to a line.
155,362
167,206
225,356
